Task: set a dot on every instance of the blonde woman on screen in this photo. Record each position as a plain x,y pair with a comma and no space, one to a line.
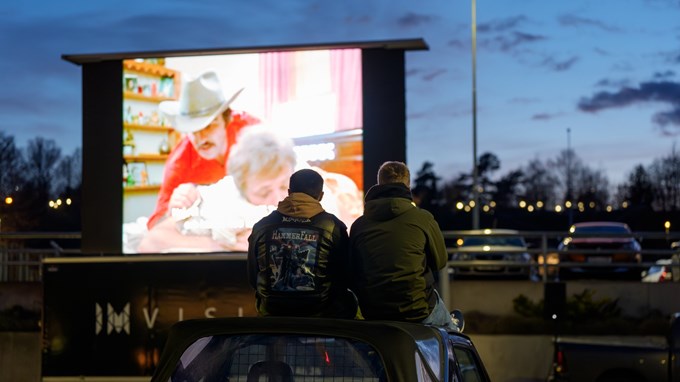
221,219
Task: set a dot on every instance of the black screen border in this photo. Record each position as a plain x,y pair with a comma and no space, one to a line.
384,124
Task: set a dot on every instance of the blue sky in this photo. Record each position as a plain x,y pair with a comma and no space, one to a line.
609,70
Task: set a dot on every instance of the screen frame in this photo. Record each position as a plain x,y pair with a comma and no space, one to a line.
384,124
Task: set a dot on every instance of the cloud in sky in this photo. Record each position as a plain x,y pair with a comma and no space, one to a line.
411,19
666,92
502,24
545,116
570,20
559,65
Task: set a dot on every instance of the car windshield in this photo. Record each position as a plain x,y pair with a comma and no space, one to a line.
278,357
512,241
597,229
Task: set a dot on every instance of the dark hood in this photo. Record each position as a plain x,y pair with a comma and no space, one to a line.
385,201
300,205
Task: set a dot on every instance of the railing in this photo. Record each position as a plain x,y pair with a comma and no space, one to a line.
21,254
19,263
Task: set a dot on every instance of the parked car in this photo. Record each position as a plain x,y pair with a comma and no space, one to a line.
618,360
664,270
504,250
599,249
315,349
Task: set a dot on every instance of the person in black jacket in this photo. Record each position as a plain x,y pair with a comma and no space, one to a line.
298,256
394,248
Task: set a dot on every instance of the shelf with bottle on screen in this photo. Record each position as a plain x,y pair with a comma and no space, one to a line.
137,126
150,157
142,188
145,97
148,81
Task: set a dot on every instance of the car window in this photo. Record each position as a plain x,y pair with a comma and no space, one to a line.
513,241
601,229
469,369
284,357
431,351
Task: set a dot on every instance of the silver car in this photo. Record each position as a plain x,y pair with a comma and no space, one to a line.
492,253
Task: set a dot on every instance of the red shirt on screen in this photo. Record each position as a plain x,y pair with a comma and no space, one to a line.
185,165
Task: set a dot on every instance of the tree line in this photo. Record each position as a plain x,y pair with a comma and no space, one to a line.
552,183
34,176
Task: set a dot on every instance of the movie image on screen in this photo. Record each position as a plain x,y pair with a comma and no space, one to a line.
210,141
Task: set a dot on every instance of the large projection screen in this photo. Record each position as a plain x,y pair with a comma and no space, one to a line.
339,107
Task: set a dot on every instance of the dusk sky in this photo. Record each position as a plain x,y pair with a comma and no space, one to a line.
609,70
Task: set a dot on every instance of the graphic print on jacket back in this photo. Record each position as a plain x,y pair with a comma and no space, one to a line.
292,259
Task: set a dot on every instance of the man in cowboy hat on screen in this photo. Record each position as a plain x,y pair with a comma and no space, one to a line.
203,115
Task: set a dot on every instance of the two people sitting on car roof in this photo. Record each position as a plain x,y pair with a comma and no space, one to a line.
302,262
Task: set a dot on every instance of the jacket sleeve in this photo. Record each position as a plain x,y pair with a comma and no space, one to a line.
252,259
436,251
342,255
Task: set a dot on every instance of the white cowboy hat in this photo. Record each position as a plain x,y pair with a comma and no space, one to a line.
200,101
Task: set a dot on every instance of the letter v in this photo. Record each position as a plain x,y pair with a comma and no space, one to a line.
150,322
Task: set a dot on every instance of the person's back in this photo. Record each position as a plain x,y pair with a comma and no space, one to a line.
297,256
395,248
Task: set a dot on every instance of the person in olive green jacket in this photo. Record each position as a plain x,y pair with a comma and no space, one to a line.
395,249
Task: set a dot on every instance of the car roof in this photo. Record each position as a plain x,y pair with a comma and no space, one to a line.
600,223
393,340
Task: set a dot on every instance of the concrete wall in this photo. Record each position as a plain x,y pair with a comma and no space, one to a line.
20,356
515,358
495,297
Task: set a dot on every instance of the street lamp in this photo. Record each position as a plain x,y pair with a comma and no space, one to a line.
570,212
475,186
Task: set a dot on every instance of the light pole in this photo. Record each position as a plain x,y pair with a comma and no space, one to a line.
570,212
475,186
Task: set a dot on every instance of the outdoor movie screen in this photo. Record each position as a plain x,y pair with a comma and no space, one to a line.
209,142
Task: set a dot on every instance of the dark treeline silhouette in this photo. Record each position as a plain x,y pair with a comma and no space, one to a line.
537,196
39,186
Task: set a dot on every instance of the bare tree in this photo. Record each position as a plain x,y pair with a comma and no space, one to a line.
11,164
539,183
508,189
638,190
665,175
591,188
577,182
68,173
41,158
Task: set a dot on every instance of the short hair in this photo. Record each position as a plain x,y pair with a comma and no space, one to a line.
261,152
394,172
307,181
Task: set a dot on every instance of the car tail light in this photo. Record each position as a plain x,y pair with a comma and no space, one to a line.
559,365
578,258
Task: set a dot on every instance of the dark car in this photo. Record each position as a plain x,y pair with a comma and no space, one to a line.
619,359
599,249
492,253
315,349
